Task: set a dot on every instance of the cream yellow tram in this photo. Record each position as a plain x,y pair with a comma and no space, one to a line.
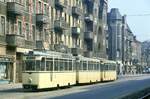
95,70
108,70
52,69
48,70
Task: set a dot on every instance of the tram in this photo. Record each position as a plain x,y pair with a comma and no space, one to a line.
53,69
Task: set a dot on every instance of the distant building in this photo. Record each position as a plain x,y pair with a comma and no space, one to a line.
115,34
123,46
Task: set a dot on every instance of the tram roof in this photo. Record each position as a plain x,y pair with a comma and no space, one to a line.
88,59
49,54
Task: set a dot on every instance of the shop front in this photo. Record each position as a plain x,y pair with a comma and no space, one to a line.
6,64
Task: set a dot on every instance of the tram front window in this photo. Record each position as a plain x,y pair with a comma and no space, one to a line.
30,65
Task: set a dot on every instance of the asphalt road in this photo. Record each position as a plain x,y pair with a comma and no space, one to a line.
111,90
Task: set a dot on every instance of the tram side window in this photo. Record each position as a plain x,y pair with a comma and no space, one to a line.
30,65
81,65
74,65
84,66
89,66
106,67
97,65
49,65
61,65
112,66
56,65
43,64
66,65
38,65
70,65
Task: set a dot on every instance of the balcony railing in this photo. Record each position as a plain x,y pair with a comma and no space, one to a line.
76,31
41,18
61,48
88,17
88,35
59,4
75,51
29,44
40,44
88,54
76,11
2,39
60,24
15,40
14,8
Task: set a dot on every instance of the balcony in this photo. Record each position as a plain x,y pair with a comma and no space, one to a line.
41,19
60,25
60,48
2,40
88,54
88,17
15,40
76,11
76,31
59,4
29,44
88,35
75,51
14,8
40,44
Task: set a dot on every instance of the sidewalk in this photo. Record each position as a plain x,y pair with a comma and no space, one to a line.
10,86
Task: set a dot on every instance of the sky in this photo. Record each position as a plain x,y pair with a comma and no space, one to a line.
140,25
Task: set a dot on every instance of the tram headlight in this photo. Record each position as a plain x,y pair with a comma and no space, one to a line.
30,80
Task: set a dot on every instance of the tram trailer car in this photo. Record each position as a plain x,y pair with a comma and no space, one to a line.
53,69
108,70
88,71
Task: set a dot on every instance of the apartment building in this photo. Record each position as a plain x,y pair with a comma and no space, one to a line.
77,27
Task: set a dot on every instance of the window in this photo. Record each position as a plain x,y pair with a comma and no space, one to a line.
2,25
81,65
40,7
27,5
84,66
43,64
45,9
66,65
33,9
30,65
38,65
27,31
19,28
49,64
51,38
33,33
56,64
70,65
3,0
61,65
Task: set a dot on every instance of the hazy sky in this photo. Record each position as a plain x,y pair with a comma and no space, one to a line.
140,25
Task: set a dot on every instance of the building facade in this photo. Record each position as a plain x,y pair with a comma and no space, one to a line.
115,34
67,26
123,45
